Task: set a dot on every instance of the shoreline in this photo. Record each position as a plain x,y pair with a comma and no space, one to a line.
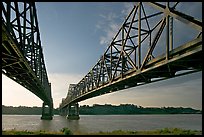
66,131
107,114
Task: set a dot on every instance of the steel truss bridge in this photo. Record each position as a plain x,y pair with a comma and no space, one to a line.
147,48
22,53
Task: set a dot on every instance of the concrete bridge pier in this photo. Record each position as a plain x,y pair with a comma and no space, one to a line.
73,111
47,111
63,112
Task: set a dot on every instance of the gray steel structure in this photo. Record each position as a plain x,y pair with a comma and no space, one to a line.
22,53
130,58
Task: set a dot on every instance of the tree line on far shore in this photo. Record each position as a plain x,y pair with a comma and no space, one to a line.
106,109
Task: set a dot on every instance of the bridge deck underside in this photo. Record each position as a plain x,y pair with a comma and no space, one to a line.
16,67
182,60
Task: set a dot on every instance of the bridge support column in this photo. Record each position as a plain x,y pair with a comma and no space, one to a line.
47,111
73,111
63,112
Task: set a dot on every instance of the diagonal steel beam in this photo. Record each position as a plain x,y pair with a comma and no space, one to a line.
187,19
156,38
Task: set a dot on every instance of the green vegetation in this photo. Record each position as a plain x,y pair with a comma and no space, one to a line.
106,109
165,131
23,110
132,109
25,132
66,131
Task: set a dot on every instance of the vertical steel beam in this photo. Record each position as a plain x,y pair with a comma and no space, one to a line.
122,49
18,25
167,31
111,60
8,16
102,67
135,56
171,33
24,29
139,35
32,40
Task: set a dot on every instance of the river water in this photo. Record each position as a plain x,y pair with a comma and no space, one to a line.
96,123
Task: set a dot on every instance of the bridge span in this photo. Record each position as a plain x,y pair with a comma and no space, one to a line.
144,50
22,53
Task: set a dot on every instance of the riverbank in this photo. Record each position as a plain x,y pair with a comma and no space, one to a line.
107,109
66,131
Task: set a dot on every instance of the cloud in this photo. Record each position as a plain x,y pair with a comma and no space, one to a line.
108,26
127,7
110,23
110,31
109,17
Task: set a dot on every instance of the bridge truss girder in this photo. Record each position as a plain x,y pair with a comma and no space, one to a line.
130,58
22,55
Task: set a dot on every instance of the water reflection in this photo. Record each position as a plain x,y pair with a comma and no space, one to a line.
60,122
45,125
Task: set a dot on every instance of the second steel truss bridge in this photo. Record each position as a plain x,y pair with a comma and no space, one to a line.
147,48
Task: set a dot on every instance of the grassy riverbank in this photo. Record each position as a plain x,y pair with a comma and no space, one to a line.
65,131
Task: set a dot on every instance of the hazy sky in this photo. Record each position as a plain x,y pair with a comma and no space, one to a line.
75,35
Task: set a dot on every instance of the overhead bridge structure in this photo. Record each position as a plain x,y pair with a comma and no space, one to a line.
156,41
22,53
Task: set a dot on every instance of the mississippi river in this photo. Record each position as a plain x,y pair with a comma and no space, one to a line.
96,123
